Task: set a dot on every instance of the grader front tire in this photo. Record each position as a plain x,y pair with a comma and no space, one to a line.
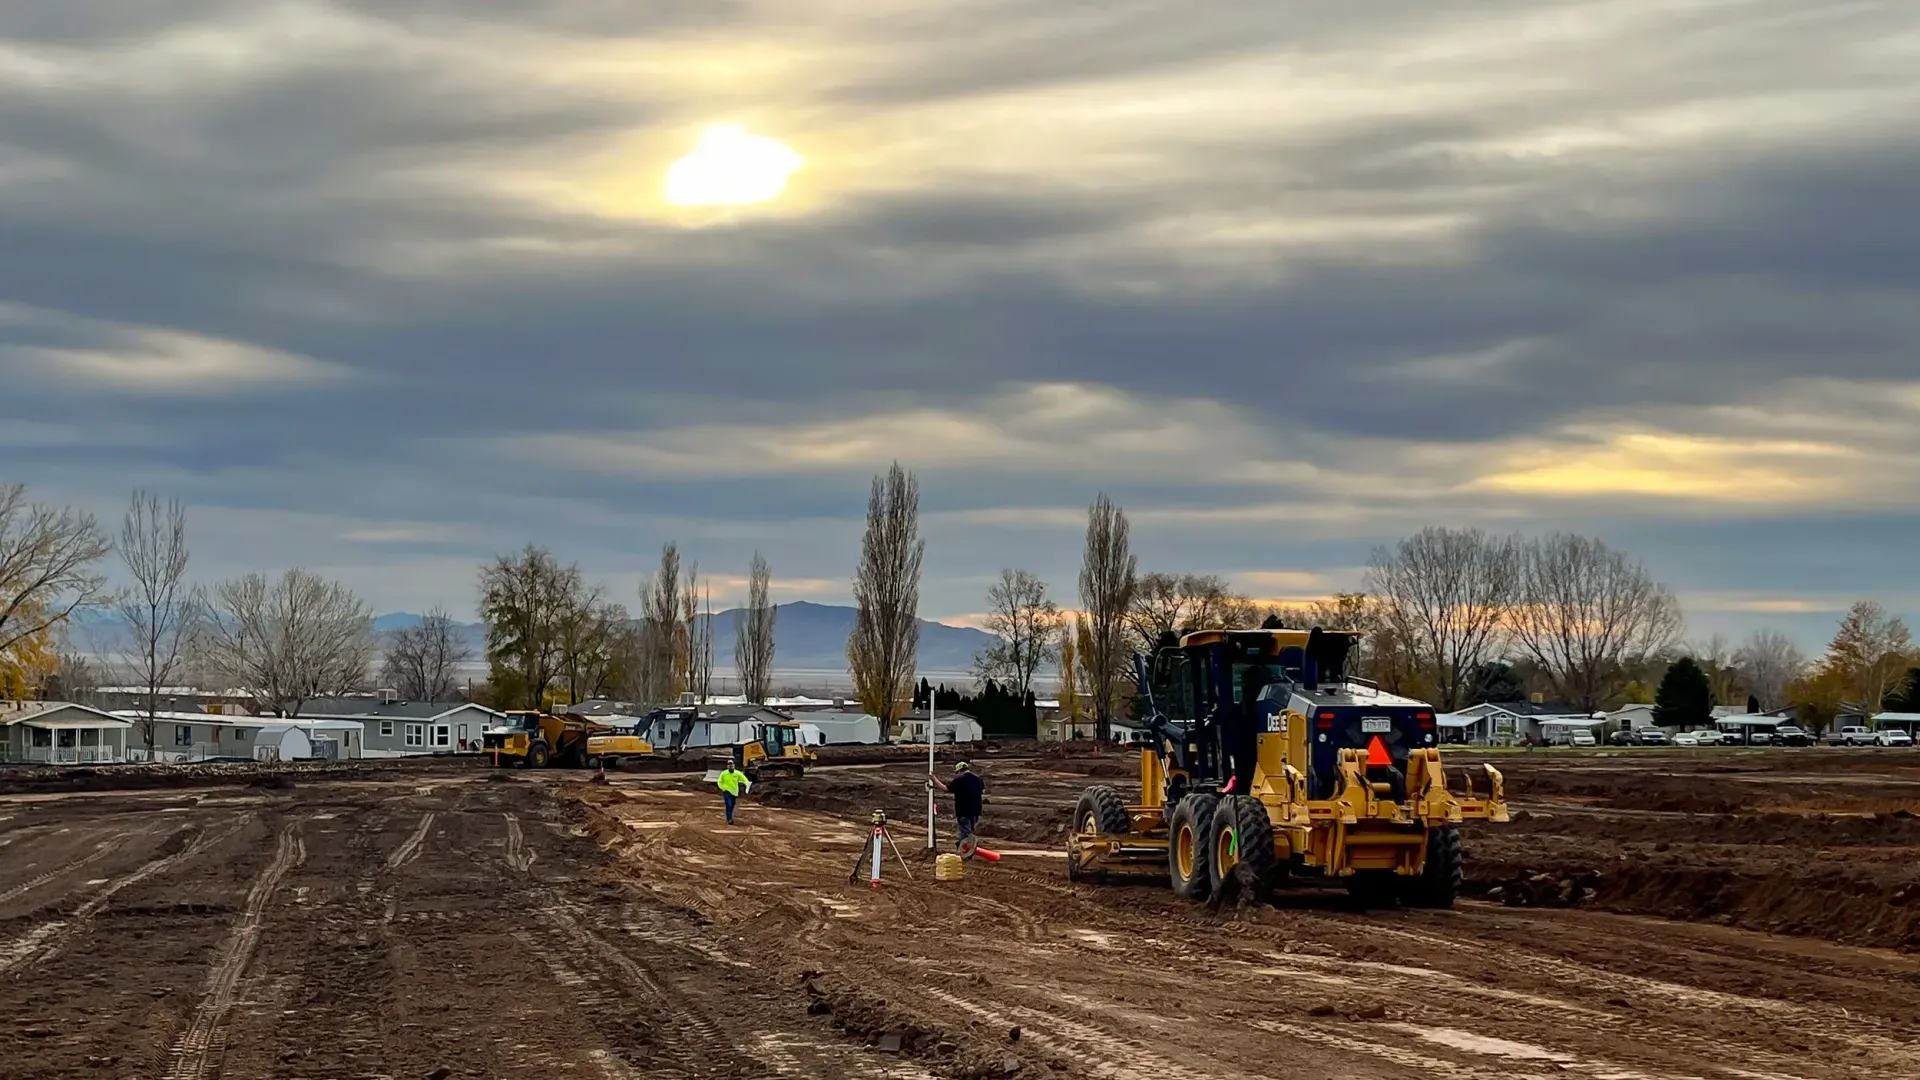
1189,836
1102,810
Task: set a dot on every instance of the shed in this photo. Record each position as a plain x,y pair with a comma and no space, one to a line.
843,728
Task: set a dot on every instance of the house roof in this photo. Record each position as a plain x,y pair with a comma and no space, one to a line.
316,723
58,714
1897,717
359,708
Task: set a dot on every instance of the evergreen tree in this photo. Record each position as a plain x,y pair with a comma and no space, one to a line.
1684,698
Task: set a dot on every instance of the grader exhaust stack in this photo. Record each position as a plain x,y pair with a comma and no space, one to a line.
1270,763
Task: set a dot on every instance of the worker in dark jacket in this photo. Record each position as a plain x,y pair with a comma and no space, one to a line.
968,792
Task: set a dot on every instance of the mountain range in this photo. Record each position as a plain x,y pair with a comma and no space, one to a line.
806,636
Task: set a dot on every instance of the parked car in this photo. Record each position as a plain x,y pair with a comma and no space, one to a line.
1651,736
1893,737
1792,735
1708,737
1585,738
1687,738
1622,737
1759,738
1852,736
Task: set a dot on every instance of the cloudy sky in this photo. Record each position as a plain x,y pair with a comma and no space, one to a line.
382,287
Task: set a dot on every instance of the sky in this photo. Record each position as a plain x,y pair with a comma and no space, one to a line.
384,288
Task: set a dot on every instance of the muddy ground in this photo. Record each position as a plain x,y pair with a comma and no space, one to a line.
438,921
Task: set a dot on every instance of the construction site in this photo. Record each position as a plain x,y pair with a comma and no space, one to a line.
1643,914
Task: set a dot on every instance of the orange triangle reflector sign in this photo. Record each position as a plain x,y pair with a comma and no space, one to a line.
1377,753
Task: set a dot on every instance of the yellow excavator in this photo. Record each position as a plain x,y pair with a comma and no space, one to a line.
1269,764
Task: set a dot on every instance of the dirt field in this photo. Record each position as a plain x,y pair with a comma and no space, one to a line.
433,921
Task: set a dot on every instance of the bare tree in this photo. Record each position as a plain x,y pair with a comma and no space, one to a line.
696,631
1769,662
48,568
1715,656
1588,615
525,600
659,663
886,591
1179,602
161,612
1870,652
1025,626
1108,572
1068,653
289,639
590,628
422,661
1443,594
753,634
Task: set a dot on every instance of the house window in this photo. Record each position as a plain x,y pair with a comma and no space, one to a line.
416,735
463,736
183,734
442,735
386,729
41,736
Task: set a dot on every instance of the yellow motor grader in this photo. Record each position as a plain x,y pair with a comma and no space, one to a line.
1269,763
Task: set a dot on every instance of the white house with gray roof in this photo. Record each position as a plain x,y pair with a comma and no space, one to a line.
406,728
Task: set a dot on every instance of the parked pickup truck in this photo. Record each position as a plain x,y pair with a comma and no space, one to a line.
1852,736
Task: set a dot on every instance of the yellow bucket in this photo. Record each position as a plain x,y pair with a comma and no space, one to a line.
948,867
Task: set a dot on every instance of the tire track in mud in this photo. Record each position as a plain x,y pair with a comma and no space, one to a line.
519,856
105,848
198,1050
1089,1048
409,850
695,1027
1657,1037
46,939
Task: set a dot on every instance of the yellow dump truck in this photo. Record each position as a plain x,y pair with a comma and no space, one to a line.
536,739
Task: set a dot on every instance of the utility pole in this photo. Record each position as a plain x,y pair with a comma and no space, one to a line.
932,842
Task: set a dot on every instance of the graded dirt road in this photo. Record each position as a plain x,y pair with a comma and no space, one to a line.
538,926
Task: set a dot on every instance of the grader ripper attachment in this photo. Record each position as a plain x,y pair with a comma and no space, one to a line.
1268,763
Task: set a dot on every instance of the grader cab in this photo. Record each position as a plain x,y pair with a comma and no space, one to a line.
1268,763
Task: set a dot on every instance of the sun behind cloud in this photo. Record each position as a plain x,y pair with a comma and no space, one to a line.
731,167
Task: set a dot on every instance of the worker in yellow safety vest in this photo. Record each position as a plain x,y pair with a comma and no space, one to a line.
733,784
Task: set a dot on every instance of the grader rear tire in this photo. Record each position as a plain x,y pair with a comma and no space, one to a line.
1439,881
1188,834
1242,836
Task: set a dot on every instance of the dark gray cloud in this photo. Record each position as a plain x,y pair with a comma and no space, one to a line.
1382,253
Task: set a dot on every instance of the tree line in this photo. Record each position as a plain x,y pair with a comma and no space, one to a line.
1452,616
553,638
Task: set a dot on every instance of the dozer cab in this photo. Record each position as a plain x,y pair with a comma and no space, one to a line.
1268,764
535,739
774,750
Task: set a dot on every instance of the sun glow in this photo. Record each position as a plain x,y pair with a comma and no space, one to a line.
731,167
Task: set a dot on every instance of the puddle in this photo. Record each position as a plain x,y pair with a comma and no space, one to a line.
1456,1039
1095,938
99,881
649,824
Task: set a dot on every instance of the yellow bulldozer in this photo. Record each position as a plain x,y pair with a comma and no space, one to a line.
1269,764
774,749
534,740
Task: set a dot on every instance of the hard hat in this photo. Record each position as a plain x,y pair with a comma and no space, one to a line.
961,766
